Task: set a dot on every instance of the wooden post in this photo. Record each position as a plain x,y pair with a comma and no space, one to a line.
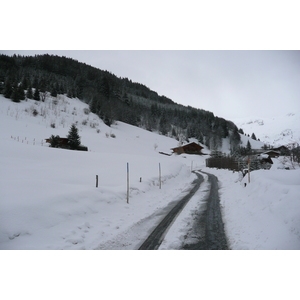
249,170
96,181
159,175
127,183
192,166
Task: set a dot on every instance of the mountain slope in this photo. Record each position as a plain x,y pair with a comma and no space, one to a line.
275,131
111,98
48,195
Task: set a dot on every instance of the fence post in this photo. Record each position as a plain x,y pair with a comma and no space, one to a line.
159,175
96,181
248,169
127,183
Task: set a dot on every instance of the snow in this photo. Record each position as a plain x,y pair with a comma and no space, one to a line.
264,214
49,199
254,143
275,131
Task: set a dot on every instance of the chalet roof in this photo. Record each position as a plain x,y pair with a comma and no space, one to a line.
280,148
271,151
193,144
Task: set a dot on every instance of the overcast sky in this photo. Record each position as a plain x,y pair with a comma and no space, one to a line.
231,84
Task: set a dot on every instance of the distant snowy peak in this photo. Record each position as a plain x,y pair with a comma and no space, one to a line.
276,131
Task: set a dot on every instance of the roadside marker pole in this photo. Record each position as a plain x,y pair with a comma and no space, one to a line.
96,181
127,183
159,175
249,170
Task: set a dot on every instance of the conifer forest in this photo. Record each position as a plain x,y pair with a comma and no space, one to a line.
111,98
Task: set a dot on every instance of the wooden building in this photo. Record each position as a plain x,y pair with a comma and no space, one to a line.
61,142
191,148
283,150
64,143
272,153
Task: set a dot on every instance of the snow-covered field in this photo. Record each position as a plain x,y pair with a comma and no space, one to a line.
48,197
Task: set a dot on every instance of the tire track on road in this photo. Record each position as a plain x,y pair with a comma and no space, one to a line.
156,237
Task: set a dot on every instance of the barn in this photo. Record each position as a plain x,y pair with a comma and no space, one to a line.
191,148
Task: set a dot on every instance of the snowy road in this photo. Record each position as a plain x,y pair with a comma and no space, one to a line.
156,237
208,229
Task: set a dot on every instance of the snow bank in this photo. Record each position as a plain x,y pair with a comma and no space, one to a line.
266,213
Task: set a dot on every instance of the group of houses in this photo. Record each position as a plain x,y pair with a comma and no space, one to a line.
259,157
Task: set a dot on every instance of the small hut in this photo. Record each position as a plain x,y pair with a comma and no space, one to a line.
191,148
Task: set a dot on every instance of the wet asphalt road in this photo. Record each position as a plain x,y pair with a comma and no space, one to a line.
208,228
207,232
156,237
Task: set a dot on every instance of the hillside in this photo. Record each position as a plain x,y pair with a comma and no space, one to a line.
48,196
49,199
111,98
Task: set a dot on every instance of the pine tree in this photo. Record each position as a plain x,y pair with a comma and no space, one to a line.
7,91
29,93
20,92
36,95
53,91
253,136
248,147
73,137
15,93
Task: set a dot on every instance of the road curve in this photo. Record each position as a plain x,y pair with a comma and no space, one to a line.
156,237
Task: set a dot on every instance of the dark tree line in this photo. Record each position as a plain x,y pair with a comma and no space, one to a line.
110,97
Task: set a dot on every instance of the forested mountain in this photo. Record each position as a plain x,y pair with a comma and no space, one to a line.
110,97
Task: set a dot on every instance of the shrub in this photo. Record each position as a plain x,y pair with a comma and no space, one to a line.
35,112
86,110
54,141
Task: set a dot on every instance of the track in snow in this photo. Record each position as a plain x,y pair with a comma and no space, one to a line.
156,237
208,229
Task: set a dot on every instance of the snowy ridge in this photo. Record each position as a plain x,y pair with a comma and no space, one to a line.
49,199
275,131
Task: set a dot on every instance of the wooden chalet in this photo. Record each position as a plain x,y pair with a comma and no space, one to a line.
272,153
191,148
264,159
64,143
283,150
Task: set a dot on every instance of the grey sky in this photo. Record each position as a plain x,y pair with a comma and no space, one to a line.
231,84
